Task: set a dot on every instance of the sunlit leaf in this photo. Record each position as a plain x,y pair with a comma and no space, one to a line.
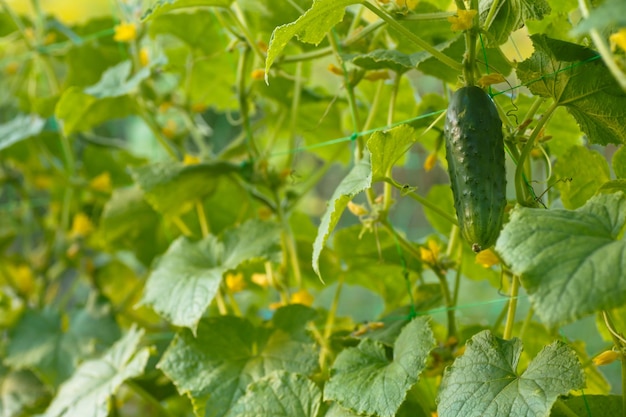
485,382
357,180
510,16
571,262
163,6
365,380
279,394
581,172
188,275
216,366
20,128
386,147
87,392
569,74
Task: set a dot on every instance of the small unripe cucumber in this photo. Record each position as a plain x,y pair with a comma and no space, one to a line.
475,154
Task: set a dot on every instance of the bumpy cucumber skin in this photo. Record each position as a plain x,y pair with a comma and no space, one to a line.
475,154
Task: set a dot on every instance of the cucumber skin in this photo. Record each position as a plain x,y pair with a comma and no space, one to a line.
475,154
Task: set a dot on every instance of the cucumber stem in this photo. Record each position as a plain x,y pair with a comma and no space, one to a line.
510,315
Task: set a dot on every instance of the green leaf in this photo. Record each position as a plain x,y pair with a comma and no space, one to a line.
79,111
441,196
279,394
591,405
619,162
587,169
608,15
510,16
386,147
570,262
311,27
196,29
40,343
20,391
117,81
366,381
484,382
387,59
164,6
357,180
570,74
229,353
20,128
169,186
128,222
87,392
613,186
187,277
356,302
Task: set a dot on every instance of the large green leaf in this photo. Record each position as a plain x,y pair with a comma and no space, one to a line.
365,380
87,392
187,277
118,81
229,353
387,59
280,394
20,128
571,262
485,382
386,147
169,186
581,173
164,6
564,71
510,16
357,180
619,162
128,222
79,111
40,343
311,27
197,29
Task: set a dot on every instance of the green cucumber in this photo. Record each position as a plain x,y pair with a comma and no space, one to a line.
475,154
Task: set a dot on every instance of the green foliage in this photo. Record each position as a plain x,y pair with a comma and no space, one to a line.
485,380
166,214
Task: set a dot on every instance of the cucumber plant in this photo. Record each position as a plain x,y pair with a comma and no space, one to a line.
243,208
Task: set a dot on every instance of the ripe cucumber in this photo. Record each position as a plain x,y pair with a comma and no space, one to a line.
475,154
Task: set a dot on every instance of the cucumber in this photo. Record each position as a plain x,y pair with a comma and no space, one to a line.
475,154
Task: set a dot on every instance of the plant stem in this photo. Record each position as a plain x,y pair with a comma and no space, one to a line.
387,187
295,105
204,224
147,117
182,226
620,343
510,315
423,201
564,409
242,97
240,22
520,191
447,298
146,396
414,38
492,14
603,48
330,322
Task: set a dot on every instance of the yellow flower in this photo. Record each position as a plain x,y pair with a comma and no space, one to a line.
463,20
301,297
606,357
125,32
410,4
491,79
430,162
258,74
276,305
144,57
23,278
169,130
101,182
198,107
377,75
335,69
430,253
12,68
357,209
190,160
487,258
42,182
235,282
619,38
81,225
260,279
